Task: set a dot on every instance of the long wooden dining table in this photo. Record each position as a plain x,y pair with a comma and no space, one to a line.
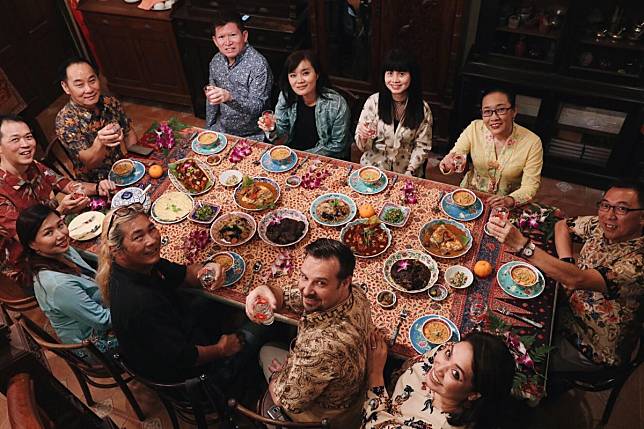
368,270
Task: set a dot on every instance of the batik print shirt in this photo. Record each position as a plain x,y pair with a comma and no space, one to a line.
17,194
249,81
605,326
410,406
77,127
325,374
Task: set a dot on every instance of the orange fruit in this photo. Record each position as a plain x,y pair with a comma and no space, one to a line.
155,171
482,269
366,211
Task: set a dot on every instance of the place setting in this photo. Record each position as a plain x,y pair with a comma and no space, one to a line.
209,143
278,159
462,205
126,172
368,181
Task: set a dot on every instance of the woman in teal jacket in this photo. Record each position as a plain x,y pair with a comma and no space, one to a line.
63,282
314,117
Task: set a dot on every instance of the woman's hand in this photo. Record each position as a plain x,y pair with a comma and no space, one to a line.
447,164
507,234
376,358
500,201
263,125
363,131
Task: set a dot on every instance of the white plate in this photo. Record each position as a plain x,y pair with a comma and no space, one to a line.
469,277
86,226
225,175
181,215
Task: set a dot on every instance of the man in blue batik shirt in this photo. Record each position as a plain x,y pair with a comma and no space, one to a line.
240,81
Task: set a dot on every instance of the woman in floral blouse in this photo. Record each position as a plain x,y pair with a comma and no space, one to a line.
456,385
506,157
395,126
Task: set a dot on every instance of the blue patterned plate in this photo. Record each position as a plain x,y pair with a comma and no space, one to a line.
222,141
508,285
137,173
132,195
273,167
417,338
236,271
367,189
353,209
463,214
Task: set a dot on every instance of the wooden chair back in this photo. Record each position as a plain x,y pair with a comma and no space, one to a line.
57,158
258,418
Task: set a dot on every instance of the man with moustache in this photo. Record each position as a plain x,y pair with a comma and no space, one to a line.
602,320
324,373
240,80
25,182
93,127
163,334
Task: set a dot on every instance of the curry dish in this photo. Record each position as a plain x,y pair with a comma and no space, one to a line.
523,276
256,195
366,239
333,210
436,331
463,198
444,239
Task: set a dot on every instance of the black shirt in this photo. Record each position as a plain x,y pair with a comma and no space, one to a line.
153,331
305,130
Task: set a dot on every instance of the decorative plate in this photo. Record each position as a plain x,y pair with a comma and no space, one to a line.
217,224
215,212
137,174
417,338
406,211
222,141
410,254
179,203
362,188
269,165
455,212
86,226
514,290
280,214
258,179
177,183
350,225
353,209
237,271
131,195
432,224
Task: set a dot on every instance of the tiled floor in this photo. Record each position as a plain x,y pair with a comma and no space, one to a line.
575,410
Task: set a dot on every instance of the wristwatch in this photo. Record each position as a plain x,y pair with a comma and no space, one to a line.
528,249
568,259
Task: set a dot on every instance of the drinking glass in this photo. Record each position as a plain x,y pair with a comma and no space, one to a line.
78,190
478,311
263,312
372,128
459,162
207,88
269,119
501,213
207,277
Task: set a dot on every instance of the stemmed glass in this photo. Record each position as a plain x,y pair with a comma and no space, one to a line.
478,311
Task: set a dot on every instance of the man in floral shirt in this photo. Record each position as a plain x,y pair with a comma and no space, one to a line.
25,182
602,322
92,127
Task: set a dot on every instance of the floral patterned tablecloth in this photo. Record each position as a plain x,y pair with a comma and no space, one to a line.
370,270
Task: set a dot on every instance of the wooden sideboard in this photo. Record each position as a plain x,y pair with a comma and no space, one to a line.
137,50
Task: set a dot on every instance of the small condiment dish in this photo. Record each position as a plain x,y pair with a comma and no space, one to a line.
230,178
386,299
293,181
213,160
453,271
438,292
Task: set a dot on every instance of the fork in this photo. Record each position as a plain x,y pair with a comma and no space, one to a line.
401,318
436,208
391,185
300,166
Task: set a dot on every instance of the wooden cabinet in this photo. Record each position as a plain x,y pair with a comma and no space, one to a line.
589,118
137,50
33,42
275,29
352,43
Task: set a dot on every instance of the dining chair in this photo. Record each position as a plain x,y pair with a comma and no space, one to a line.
87,371
57,158
257,417
13,299
612,379
194,400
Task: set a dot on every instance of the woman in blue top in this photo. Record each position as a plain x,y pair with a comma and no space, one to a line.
315,117
63,282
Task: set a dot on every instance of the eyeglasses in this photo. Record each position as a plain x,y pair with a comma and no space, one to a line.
499,111
125,211
603,206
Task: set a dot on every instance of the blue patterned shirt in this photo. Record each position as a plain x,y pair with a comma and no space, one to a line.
249,80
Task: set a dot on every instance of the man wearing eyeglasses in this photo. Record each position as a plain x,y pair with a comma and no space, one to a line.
601,323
